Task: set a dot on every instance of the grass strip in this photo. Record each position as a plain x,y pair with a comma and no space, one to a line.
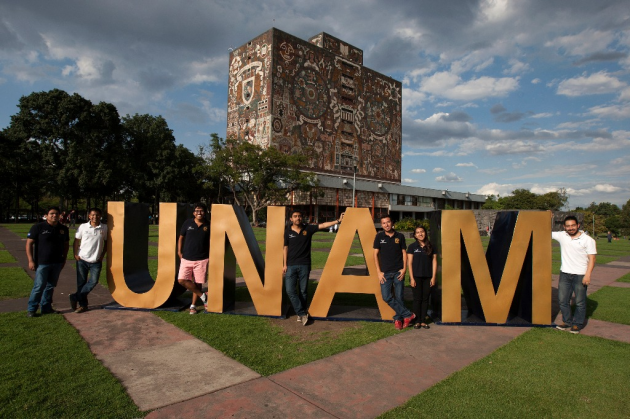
625,278
6,257
15,283
610,304
48,371
542,373
263,347
1,245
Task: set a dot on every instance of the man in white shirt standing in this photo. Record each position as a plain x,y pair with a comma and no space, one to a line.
89,250
577,252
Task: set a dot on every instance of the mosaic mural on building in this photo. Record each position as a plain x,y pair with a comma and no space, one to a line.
315,98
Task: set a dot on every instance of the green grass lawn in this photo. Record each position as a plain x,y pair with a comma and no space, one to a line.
48,371
6,257
544,373
15,283
625,278
610,304
1,245
263,347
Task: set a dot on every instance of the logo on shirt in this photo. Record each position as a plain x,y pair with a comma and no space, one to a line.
304,233
292,236
397,240
383,241
46,232
61,232
418,251
205,229
191,228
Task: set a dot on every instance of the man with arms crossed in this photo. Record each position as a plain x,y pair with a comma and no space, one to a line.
297,260
47,245
577,253
193,248
390,257
89,250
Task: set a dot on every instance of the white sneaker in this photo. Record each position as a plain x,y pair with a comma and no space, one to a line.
204,298
304,319
299,319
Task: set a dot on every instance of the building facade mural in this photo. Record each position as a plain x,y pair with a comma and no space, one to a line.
316,98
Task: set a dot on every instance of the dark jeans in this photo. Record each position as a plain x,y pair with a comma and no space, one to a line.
46,277
296,283
396,301
85,284
421,293
567,285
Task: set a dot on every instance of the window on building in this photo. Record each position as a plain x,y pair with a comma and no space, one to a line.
401,200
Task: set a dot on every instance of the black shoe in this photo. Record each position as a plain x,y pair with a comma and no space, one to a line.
73,301
31,314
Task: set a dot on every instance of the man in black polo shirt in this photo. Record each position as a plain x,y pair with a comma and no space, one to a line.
390,257
297,260
193,248
47,247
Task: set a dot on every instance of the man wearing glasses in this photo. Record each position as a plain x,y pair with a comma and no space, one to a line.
193,248
47,245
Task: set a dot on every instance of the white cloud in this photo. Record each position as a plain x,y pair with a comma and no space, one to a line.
407,180
541,115
496,189
606,188
536,81
437,170
585,42
493,171
451,86
466,165
595,84
450,177
418,171
612,111
516,67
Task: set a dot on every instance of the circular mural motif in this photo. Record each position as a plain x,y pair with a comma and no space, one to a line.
310,93
378,116
277,125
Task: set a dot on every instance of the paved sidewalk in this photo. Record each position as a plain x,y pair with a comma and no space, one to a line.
166,369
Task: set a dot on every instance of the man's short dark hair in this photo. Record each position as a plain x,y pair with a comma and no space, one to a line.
294,211
386,216
53,208
570,218
95,209
202,206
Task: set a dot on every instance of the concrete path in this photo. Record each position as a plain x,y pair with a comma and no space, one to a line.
152,359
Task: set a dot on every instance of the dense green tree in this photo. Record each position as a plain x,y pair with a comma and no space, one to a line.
605,209
520,199
257,176
492,202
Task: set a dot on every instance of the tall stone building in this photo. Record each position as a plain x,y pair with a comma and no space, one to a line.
316,98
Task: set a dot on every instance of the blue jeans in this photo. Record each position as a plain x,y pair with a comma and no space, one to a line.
46,277
395,301
85,285
567,285
296,283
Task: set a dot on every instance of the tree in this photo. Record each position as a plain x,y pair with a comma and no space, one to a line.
150,152
520,199
552,201
257,176
492,202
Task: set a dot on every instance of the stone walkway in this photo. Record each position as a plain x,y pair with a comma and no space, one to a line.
152,359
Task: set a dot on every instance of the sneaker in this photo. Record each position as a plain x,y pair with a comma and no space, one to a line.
398,324
193,310
304,319
575,330
73,301
204,298
563,326
31,314
81,310
408,320
299,319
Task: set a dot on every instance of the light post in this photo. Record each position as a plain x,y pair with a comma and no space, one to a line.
354,182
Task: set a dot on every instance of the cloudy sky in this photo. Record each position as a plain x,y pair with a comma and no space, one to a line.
498,95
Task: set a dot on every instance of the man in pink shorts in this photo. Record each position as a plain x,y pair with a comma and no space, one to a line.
193,248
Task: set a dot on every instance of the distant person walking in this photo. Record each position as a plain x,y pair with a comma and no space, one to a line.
47,245
89,250
609,237
422,262
577,253
390,257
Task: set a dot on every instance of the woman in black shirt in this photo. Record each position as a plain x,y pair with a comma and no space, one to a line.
422,263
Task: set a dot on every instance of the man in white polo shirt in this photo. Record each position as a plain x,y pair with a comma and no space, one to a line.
89,250
577,252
